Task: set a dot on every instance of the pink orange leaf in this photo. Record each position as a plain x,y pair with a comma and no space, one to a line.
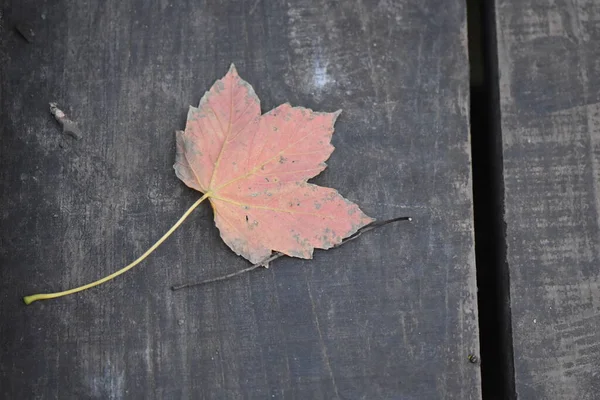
254,170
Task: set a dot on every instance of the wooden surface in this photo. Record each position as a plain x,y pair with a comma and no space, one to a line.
389,316
549,65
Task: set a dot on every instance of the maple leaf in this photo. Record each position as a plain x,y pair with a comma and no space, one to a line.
254,170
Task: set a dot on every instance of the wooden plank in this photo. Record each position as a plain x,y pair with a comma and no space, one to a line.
392,315
550,103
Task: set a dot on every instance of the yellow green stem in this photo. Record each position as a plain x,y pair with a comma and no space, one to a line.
46,296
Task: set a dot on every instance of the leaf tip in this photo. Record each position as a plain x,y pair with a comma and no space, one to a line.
336,114
232,69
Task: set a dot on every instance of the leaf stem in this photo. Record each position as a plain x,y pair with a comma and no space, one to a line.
45,296
276,255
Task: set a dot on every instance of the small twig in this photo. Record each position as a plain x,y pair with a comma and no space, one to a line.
275,256
220,278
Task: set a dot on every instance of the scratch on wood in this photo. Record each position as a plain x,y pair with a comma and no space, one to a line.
593,121
364,22
25,32
253,8
321,341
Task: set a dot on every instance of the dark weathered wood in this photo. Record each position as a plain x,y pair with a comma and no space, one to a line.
549,56
389,316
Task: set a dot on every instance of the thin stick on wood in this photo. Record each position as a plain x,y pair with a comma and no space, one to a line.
265,262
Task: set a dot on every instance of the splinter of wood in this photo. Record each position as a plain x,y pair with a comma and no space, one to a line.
68,126
265,263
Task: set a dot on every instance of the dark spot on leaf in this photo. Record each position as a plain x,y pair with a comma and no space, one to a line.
246,218
282,159
267,179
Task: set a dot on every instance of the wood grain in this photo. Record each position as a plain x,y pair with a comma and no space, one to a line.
550,103
390,316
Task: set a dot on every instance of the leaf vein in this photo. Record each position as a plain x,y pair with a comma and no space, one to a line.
262,165
270,208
